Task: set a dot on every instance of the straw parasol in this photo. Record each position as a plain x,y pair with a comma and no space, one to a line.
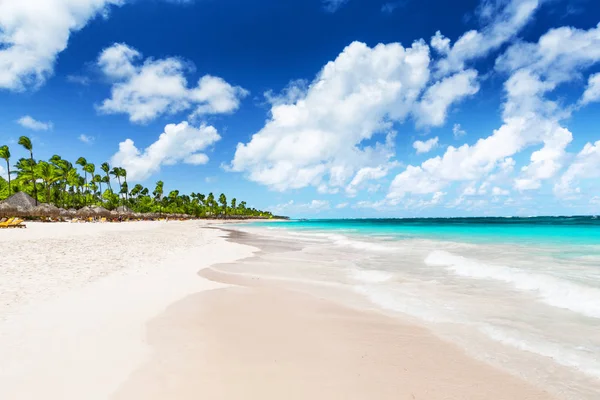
7,209
124,210
100,211
22,202
44,210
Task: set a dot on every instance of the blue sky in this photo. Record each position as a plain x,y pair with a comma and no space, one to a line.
355,108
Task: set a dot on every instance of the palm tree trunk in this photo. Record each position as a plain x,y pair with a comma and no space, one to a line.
33,179
8,168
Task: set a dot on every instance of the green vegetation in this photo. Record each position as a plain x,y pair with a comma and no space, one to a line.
57,181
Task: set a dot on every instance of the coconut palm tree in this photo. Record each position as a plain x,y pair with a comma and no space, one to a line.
223,202
158,193
48,174
233,206
5,155
106,168
26,143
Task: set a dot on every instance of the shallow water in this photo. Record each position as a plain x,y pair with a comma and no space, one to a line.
523,294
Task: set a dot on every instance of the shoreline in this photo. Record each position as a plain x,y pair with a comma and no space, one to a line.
155,327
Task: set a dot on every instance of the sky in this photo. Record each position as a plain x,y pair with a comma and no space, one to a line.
318,108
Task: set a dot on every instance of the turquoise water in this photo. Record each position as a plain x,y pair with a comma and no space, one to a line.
582,230
523,293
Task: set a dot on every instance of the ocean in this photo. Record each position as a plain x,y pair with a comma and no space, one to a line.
520,293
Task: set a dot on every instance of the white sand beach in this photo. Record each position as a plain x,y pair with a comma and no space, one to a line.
75,300
119,311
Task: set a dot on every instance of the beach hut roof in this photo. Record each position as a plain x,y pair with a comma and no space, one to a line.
22,200
123,209
44,210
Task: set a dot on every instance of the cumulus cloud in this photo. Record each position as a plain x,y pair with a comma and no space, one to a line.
458,131
333,5
497,191
592,92
585,165
148,89
33,32
312,207
179,143
502,23
440,96
87,139
316,137
529,118
33,124
425,146
341,205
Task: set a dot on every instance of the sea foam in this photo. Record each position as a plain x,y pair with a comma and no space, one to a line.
553,291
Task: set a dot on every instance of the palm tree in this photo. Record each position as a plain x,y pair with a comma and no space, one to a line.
116,172
158,193
47,172
5,154
123,172
106,168
26,143
233,205
99,179
223,201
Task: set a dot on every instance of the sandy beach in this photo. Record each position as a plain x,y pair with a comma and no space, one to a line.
120,311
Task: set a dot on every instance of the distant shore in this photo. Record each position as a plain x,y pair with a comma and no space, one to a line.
119,311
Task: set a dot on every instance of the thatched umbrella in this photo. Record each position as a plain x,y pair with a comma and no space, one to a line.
7,209
22,202
100,211
124,210
44,210
85,212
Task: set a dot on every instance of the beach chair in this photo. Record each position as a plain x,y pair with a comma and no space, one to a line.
6,224
17,223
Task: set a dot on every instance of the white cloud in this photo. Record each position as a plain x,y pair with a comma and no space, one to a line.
178,143
87,139
78,79
497,191
585,165
426,146
147,90
33,124
440,96
529,118
503,23
341,205
315,138
333,5
33,32
366,174
592,92
312,207
458,131
3,172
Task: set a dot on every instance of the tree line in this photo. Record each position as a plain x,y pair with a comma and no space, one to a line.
59,182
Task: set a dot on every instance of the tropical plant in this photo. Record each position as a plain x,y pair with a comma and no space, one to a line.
5,155
60,182
26,143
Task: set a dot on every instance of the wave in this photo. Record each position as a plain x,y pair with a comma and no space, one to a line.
563,356
343,241
371,276
555,292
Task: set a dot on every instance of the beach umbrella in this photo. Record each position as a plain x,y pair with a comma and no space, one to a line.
44,210
99,211
124,210
22,202
7,209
